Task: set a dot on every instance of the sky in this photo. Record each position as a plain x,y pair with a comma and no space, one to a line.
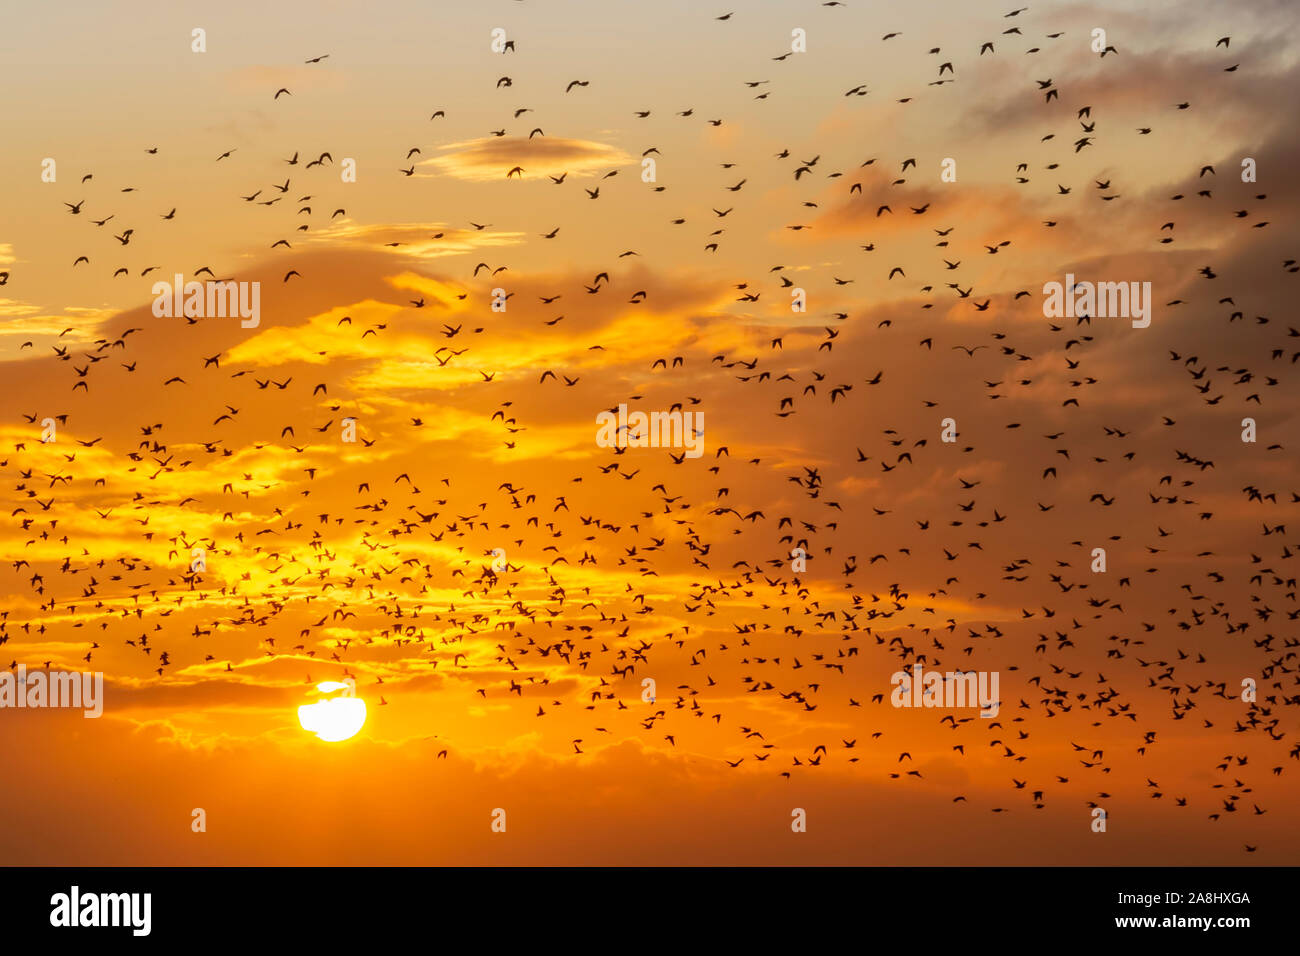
911,174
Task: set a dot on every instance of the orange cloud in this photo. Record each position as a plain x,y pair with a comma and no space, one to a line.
495,156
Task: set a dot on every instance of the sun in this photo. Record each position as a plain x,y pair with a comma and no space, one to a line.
334,718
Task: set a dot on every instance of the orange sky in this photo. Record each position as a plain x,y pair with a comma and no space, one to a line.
523,690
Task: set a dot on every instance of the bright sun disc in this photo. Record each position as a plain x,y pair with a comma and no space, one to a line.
335,718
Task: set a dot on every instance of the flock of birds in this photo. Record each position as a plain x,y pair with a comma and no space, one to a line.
421,580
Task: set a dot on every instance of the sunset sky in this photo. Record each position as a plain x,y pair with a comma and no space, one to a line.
522,690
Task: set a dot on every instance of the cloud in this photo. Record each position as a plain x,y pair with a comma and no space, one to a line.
11,307
415,240
494,156
24,322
